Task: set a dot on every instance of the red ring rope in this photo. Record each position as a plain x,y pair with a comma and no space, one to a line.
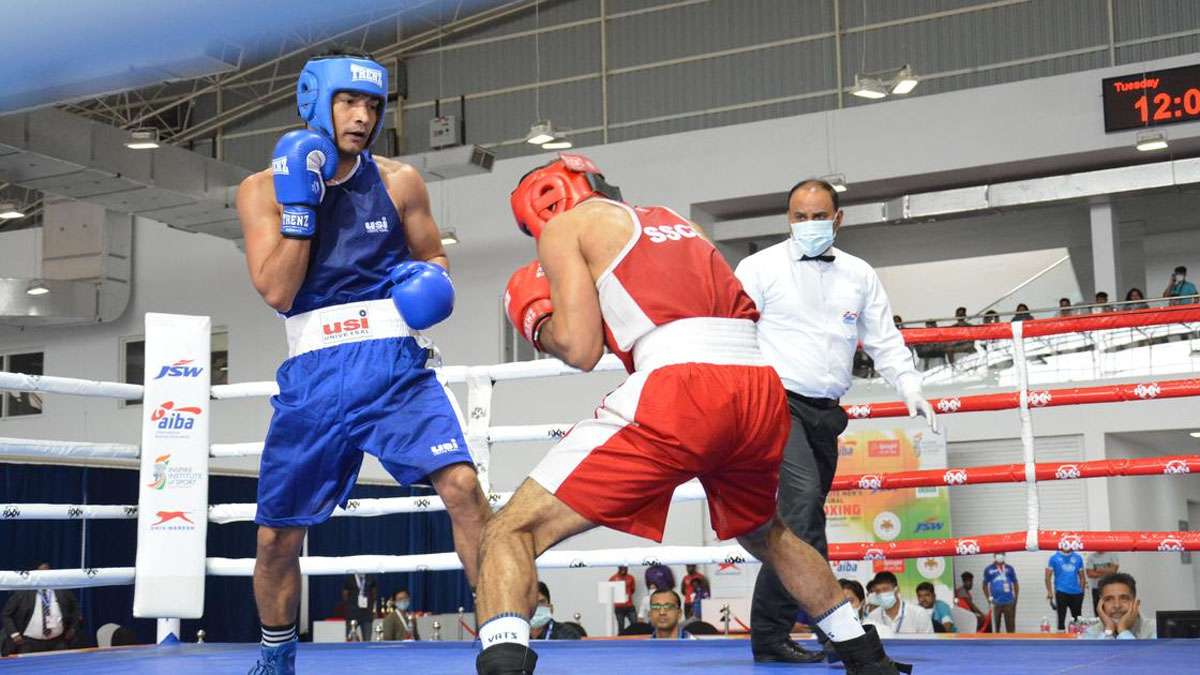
1048,540
1054,326
1038,398
1015,473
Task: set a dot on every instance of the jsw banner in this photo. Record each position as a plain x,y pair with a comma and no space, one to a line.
173,490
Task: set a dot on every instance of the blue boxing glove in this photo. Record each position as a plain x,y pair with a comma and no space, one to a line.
423,293
302,162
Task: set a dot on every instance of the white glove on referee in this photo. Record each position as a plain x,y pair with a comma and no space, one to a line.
917,405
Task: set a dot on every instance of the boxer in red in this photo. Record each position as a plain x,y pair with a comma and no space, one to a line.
700,402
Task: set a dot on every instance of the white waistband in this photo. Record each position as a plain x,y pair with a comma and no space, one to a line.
343,324
699,340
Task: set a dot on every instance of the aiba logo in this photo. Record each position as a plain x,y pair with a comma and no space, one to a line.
173,520
930,525
179,369
1177,466
955,477
849,318
171,421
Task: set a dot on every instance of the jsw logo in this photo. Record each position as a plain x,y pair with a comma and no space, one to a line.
930,525
339,327
179,369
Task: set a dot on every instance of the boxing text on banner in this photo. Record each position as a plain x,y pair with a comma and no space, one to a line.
173,484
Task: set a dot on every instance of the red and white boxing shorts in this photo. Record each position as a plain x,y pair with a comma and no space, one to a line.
703,403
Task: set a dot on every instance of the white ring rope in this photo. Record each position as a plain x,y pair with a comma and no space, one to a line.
68,512
385,564
28,447
234,513
69,385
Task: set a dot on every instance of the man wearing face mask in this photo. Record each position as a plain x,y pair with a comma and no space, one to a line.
542,625
816,304
894,612
1002,591
400,624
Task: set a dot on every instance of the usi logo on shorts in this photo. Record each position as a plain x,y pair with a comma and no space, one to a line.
341,325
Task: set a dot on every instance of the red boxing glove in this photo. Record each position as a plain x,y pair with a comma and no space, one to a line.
527,301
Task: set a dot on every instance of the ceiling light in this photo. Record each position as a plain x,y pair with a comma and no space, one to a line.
868,87
559,143
142,139
905,81
1195,434
836,181
1155,140
449,237
539,133
8,211
37,288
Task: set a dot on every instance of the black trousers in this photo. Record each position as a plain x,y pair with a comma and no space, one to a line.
626,616
1065,601
809,462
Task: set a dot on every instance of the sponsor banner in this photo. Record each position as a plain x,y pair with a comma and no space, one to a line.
173,490
869,514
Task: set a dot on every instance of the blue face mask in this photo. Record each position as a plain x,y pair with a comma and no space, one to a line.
402,605
541,616
813,237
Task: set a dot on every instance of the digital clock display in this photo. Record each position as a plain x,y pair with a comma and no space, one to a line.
1152,98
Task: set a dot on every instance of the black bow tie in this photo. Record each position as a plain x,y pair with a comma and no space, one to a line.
822,258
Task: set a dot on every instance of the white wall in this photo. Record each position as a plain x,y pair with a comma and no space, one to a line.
1153,503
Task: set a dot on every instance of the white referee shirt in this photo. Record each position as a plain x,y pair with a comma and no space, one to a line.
814,314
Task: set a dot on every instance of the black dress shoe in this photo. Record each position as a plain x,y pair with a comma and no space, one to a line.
785,651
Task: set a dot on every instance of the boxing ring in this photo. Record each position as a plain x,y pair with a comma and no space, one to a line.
595,656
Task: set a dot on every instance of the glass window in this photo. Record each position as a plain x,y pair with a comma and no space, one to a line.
20,403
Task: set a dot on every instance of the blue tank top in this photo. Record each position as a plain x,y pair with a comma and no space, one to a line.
359,238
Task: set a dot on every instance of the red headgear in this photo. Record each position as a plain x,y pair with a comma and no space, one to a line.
557,187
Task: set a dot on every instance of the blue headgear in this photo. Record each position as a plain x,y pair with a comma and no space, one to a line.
323,77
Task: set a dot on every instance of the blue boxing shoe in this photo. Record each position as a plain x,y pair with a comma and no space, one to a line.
279,660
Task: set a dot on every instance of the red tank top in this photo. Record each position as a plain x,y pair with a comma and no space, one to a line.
666,272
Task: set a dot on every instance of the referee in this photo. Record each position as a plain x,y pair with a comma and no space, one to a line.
816,303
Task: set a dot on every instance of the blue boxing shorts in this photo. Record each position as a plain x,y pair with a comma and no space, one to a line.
338,402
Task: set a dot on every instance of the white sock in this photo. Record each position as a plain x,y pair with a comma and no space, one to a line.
504,628
840,623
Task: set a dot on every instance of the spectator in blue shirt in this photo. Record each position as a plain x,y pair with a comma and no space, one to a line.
1065,583
1180,286
1002,591
939,611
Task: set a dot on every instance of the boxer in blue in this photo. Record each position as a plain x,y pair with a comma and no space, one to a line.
344,246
